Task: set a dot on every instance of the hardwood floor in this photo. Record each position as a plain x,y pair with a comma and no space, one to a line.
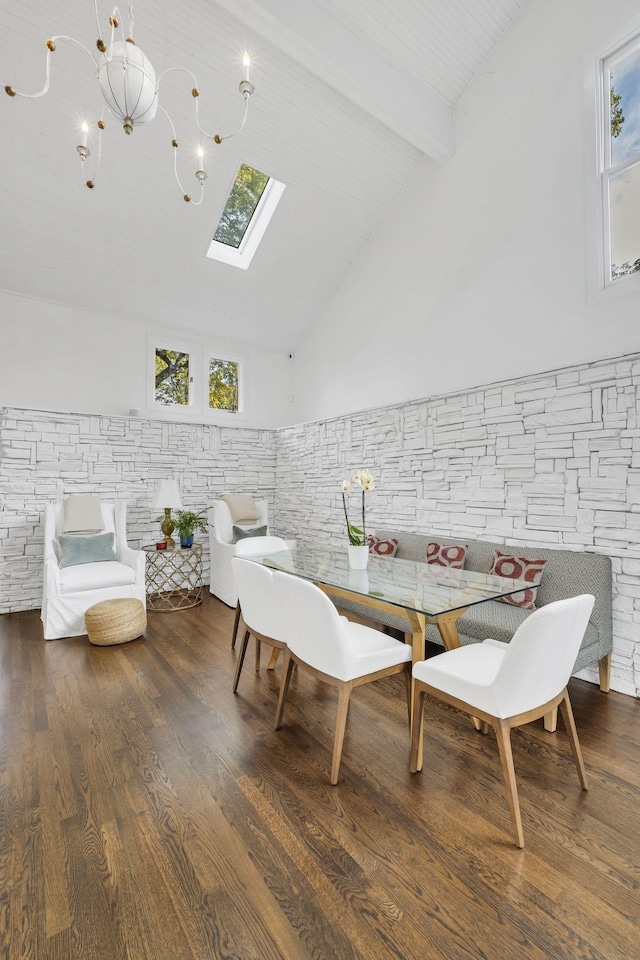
147,812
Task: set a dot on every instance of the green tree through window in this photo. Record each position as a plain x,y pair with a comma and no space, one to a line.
172,377
223,384
241,205
617,116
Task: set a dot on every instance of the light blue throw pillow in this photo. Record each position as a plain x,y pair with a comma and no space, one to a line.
239,533
75,549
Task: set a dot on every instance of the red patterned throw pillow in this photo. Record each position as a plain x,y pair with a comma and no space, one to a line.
446,554
518,568
382,548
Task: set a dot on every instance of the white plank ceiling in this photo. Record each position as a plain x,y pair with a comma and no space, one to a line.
132,247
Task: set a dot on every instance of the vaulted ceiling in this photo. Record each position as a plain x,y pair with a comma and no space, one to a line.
350,96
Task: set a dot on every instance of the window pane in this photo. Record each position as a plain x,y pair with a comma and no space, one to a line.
223,384
172,377
625,223
241,204
624,84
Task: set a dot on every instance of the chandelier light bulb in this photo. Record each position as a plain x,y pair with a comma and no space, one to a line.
246,64
84,126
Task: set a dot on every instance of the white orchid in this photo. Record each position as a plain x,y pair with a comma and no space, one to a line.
364,480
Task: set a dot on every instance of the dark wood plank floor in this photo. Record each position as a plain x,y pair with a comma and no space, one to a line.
147,812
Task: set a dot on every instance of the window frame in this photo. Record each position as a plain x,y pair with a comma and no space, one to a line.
209,355
177,346
598,170
198,408
243,255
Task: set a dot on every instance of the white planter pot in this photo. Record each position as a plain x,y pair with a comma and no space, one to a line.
358,557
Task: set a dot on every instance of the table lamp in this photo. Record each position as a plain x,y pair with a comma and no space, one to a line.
167,498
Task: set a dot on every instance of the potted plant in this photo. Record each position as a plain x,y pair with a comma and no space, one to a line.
358,548
187,523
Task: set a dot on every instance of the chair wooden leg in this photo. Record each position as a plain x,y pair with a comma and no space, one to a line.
417,717
604,670
344,692
551,721
572,733
287,670
273,659
257,655
236,623
503,736
243,650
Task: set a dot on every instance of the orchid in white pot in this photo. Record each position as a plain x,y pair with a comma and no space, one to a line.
364,481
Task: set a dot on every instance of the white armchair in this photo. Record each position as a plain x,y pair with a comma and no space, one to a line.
222,550
69,592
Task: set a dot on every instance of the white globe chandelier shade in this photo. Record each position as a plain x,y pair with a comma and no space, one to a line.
128,84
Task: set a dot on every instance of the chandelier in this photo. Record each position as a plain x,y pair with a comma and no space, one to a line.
131,92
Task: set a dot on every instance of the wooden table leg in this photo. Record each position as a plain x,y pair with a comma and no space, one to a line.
273,659
417,636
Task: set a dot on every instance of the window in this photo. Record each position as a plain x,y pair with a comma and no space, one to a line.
223,384
240,207
192,380
620,162
172,381
250,205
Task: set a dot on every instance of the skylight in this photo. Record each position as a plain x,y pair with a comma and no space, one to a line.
250,205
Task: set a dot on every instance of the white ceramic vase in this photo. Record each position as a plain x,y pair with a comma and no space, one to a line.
358,557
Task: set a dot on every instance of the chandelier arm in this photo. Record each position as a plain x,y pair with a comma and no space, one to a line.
92,179
176,70
45,89
95,7
217,137
205,133
175,150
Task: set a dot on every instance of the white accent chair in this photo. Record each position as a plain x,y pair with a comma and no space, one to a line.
69,592
222,550
254,547
506,685
261,612
332,649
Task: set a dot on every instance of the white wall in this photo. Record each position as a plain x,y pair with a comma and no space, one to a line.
478,272
61,359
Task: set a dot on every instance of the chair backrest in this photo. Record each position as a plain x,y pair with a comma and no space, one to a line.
114,516
220,519
260,608
314,630
540,657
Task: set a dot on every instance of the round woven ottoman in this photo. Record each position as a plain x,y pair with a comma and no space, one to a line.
115,621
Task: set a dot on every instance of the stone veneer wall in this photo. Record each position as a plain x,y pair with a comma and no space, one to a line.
113,458
547,460
550,460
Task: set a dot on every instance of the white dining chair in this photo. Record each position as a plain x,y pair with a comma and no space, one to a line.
506,685
261,613
254,547
333,649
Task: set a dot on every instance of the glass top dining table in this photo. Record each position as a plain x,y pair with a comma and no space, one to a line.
421,592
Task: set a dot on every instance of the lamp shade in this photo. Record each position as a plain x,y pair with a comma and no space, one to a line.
166,495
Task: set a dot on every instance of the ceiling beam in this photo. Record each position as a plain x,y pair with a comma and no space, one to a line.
315,39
